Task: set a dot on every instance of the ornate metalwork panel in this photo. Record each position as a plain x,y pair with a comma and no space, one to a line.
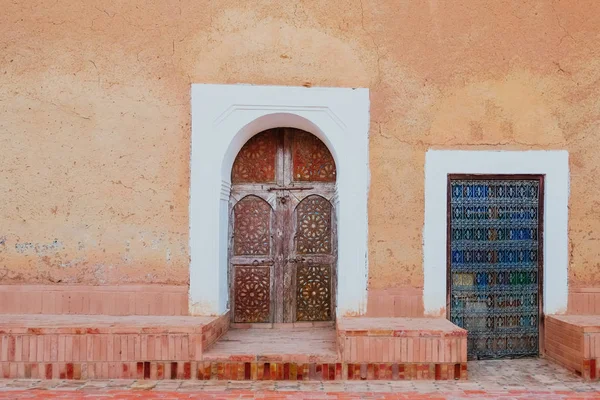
313,295
313,216
252,294
256,160
311,159
252,227
494,263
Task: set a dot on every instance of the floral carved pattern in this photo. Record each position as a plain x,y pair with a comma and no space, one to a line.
252,294
311,158
314,226
252,227
313,297
256,160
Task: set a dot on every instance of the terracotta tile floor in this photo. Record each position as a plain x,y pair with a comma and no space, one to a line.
510,379
319,344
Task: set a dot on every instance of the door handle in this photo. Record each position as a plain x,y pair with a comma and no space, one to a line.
256,263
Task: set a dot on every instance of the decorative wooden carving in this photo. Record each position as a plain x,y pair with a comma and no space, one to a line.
282,255
313,296
311,158
314,226
252,294
252,227
256,160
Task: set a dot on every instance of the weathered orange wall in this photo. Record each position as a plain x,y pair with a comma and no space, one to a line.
95,120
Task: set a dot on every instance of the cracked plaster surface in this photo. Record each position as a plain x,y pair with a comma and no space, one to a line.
95,120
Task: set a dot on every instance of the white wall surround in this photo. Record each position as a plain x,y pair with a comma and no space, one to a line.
554,165
224,117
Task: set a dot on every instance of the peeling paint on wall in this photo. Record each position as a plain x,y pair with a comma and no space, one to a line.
38,248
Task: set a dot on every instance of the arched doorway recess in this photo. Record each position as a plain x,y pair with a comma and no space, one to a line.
224,117
283,242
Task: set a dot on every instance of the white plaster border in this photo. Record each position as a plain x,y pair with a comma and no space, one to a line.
554,165
224,117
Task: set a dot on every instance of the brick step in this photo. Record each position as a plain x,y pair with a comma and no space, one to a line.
401,340
161,347
573,341
277,345
101,346
206,370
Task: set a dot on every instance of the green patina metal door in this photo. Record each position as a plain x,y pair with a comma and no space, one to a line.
495,263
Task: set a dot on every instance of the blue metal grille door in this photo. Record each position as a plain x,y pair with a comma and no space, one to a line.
494,263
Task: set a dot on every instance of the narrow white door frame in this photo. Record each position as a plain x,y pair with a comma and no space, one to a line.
554,165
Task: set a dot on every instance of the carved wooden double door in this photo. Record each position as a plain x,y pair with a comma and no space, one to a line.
283,244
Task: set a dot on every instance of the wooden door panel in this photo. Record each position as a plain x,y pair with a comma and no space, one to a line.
252,222
252,291
313,253
281,234
311,160
251,260
256,161
313,226
313,292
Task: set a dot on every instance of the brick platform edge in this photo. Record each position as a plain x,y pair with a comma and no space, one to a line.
573,341
402,348
199,370
104,347
152,347
328,371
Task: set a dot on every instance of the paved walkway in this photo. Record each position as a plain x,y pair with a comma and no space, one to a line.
510,379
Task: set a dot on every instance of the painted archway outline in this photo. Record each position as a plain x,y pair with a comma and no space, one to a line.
224,117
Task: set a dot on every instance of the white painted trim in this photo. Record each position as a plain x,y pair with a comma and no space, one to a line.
224,117
554,165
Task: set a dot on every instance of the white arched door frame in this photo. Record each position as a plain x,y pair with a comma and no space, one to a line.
224,117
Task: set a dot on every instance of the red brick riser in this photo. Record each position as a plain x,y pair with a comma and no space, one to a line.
199,370
573,341
589,369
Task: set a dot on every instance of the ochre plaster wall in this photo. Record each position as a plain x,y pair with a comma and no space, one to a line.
95,116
